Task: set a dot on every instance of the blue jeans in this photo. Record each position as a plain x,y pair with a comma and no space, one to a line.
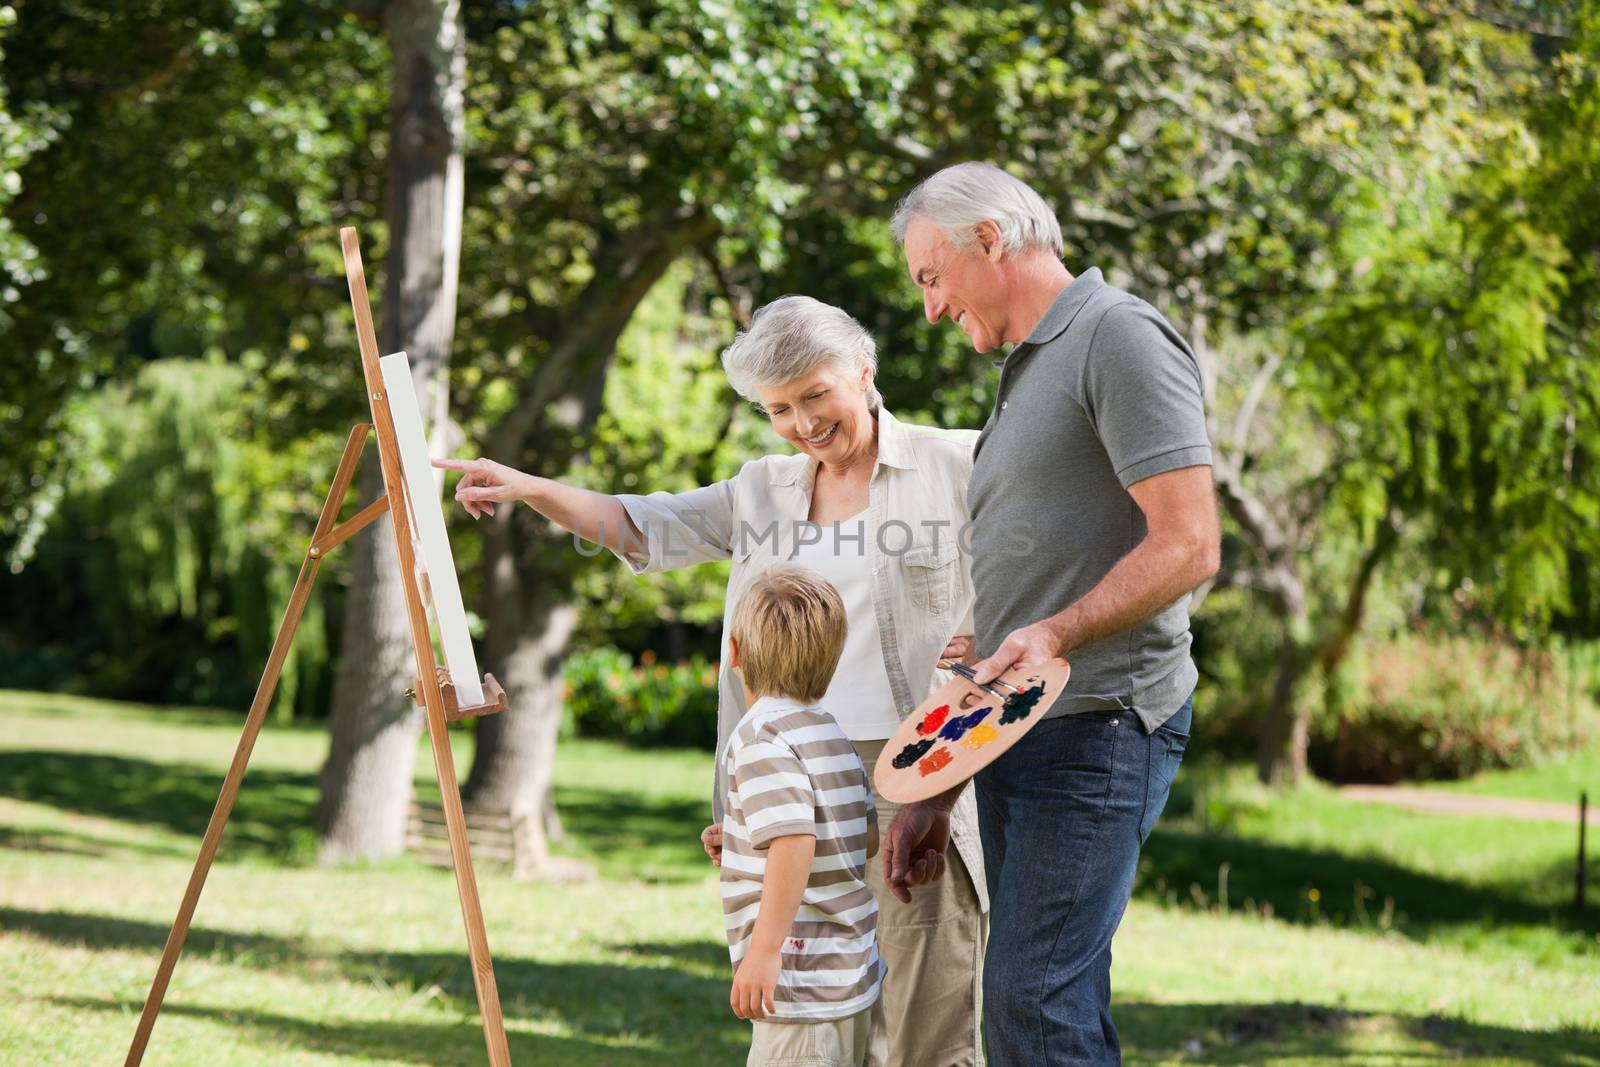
1062,816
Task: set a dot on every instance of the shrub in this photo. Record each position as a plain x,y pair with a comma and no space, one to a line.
1236,650
1446,707
168,544
648,704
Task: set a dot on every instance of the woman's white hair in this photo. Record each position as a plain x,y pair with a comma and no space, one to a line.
958,198
793,336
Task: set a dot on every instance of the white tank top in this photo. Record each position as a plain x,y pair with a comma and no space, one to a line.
859,697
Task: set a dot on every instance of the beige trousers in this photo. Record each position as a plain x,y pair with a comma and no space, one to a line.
927,1014
840,1043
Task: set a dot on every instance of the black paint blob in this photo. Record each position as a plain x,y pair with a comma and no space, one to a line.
911,753
1020,705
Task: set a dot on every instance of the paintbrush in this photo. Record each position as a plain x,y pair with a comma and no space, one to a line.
969,674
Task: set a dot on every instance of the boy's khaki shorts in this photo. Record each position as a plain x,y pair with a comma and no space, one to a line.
839,1043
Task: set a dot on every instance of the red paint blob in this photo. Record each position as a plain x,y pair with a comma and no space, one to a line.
933,720
939,760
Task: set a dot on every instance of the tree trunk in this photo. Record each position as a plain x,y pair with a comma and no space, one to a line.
514,758
530,617
528,607
1285,726
366,782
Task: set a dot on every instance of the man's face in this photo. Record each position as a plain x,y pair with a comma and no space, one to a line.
969,287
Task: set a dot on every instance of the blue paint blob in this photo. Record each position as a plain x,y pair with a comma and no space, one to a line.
957,727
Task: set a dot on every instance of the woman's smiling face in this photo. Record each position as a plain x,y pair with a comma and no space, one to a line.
823,413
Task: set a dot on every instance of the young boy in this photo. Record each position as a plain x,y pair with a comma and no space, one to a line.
798,826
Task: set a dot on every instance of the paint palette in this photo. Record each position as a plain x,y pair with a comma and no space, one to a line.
964,727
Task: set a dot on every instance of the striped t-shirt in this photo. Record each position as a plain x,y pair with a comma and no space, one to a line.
791,770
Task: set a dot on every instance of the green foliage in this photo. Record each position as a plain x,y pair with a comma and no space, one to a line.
1238,642
1235,648
1427,416
21,136
670,422
1436,372
203,155
1387,194
1562,195
603,136
1452,366
1431,707
164,561
650,704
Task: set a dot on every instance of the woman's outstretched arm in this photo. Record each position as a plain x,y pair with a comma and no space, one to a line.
593,516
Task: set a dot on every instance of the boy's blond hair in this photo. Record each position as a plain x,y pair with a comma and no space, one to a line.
790,626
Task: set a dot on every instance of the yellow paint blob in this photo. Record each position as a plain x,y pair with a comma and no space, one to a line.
980,735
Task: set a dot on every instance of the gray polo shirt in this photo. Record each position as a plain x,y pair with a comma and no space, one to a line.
1102,394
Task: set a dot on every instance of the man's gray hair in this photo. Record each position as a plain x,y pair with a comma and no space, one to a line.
793,336
958,198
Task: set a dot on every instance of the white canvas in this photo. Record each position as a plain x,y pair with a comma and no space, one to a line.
428,522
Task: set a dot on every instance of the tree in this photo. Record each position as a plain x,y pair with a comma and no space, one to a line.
207,153
177,172
21,136
366,780
187,169
632,139
163,564
1449,403
1234,164
1567,121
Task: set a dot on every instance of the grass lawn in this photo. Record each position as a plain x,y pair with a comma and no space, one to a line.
1265,929
1560,781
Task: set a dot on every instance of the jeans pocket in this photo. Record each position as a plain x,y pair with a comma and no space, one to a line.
1174,745
1167,746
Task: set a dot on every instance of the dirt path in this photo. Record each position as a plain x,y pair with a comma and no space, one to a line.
1430,802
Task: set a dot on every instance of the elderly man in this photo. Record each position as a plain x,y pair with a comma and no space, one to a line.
1096,451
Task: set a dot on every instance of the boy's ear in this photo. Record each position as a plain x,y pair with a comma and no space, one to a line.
733,653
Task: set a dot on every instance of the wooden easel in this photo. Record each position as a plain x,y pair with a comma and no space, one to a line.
432,687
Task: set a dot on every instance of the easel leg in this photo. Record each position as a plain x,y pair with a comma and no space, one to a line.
247,740
494,1028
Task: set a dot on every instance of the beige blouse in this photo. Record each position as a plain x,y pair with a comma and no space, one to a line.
922,581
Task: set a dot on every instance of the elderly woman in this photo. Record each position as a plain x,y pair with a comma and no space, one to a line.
875,506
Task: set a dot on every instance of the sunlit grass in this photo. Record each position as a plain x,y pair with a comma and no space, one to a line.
1559,781
1460,950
